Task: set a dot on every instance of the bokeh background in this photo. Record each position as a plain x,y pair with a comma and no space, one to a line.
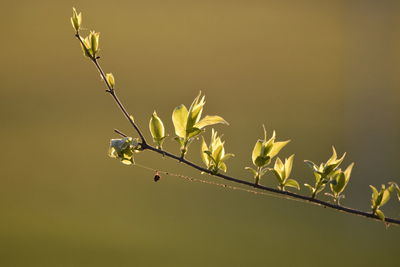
320,73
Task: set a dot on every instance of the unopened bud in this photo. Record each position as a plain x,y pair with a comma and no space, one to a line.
76,19
110,79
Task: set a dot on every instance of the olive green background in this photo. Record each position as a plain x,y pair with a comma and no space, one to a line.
320,73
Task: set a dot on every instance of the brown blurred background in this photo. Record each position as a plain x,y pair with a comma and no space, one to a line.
320,73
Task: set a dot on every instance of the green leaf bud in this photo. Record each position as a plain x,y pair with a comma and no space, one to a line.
76,19
157,129
94,42
86,48
110,80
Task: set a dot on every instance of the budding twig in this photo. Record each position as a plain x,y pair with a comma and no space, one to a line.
282,193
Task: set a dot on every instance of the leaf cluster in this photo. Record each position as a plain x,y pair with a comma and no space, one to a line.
381,197
213,155
282,172
329,172
189,124
123,149
263,152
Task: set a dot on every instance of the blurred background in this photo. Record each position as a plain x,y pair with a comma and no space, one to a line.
320,73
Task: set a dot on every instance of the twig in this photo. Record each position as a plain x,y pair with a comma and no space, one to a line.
286,194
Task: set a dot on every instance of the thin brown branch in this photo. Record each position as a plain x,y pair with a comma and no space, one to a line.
285,194
269,189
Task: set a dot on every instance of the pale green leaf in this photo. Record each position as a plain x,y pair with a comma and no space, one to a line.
217,153
222,166
348,171
210,120
317,177
203,155
289,165
340,180
156,127
127,161
193,132
292,183
257,151
280,168
179,118
333,158
395,187
311,164
385,197
122,149
253,171
398,191
110,79
332,165
277,146
267,146
209,153
195,110
278,175
262,161
227,156
375,193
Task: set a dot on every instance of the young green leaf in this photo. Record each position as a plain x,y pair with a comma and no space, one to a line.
76,19
179,118
110,80
192,132
277,147
123,149
263,152
188,123
94,42
203,155
253,171
289,165
329,173
209,120
279,167
292,183
86,47
340,181
375,193
257,151
385,196
282,173
394,187
195,111
157,130
379,199
213,155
